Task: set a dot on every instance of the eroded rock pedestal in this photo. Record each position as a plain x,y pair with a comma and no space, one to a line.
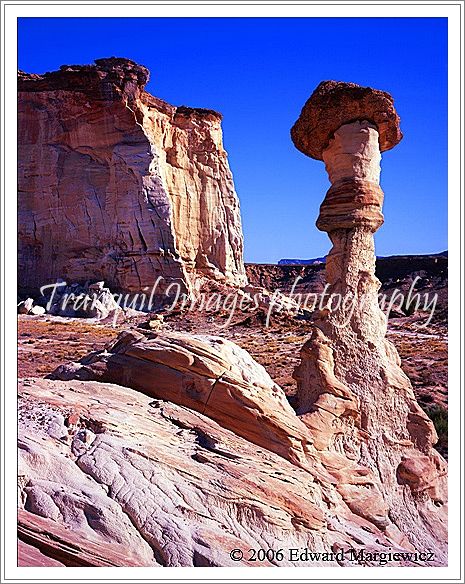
117,185
352,393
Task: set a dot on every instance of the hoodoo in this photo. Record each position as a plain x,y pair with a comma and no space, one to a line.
352,393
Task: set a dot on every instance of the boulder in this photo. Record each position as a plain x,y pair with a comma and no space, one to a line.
208,374
25,306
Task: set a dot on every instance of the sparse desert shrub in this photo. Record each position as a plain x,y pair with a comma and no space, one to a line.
438,415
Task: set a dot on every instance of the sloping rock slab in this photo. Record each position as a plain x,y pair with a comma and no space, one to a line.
208,374
109,468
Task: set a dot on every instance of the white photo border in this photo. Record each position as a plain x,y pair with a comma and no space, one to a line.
10,12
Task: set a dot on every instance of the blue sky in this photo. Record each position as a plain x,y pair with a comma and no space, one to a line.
258,72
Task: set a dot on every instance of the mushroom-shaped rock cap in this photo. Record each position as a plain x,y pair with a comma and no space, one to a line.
335,103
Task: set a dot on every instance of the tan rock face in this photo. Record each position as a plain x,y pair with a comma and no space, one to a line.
353,153
352,393
352,161
210,375
115,184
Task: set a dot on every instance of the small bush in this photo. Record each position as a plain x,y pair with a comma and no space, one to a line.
438,415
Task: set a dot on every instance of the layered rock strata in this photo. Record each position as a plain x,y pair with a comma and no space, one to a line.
207,374
352,393
218,379
117,185
109,476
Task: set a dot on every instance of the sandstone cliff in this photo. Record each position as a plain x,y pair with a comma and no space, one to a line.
116,184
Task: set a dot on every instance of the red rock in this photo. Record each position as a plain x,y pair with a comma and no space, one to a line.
72,420
43,542
335,103
29,555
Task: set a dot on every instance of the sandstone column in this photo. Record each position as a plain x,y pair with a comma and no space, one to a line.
352,393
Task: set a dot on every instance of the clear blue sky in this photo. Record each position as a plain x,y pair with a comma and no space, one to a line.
258,73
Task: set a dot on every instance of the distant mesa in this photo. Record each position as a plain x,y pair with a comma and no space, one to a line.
294,262
322,260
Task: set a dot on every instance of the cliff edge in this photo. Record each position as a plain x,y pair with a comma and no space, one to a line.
118,185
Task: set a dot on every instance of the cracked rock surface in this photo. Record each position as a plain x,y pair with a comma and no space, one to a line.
222,421
155,483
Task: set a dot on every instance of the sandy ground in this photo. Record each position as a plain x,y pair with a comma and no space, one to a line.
46,342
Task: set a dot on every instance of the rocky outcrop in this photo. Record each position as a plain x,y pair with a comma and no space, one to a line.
169,449
117,185
216,378
207,374
352,393
104,468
